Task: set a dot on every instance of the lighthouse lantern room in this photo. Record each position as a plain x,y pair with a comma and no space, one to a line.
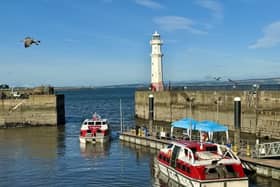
156,63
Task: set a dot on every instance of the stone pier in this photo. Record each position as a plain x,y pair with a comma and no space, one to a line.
260,113
36,110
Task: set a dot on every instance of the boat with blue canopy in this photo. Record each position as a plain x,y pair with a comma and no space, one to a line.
201,163
209,127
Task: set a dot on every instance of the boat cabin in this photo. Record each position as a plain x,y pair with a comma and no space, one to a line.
201,160
91,122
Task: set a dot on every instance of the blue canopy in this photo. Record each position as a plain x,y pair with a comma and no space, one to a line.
207,126
210,126
185,123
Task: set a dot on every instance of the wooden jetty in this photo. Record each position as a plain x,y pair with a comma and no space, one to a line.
149,141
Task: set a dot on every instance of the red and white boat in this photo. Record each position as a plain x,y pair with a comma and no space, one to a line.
197,164
95,130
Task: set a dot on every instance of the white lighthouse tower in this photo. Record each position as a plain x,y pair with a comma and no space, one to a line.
156,63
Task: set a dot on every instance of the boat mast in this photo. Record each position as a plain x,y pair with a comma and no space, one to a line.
121,120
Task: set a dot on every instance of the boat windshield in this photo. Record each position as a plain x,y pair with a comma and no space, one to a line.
211,148
170,146
205,155
193,149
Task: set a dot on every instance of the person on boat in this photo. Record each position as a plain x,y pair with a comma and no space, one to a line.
186,137
95,117
204,137
228,143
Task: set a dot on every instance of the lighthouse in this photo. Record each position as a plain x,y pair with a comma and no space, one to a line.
156,63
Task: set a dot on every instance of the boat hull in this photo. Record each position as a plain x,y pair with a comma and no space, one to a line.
190,182
95,139
103,139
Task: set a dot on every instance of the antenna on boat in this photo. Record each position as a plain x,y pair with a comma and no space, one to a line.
121,116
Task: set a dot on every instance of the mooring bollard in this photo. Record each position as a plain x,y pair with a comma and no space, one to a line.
151,113
248,151
234,149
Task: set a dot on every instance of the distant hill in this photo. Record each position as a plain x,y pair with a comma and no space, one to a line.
260,81
106,86
227,82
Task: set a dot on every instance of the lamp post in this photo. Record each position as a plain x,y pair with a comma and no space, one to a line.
190,100
151,112
237,123
217,102
256,98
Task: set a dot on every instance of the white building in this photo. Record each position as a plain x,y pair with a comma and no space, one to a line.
156,63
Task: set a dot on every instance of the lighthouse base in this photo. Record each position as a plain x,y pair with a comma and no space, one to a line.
157,86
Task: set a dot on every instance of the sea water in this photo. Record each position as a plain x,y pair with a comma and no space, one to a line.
53,156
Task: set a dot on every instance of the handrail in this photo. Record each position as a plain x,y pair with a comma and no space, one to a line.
190,154
271,149
227,150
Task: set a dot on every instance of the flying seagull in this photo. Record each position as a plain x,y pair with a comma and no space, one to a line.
233,82
217,78
28,41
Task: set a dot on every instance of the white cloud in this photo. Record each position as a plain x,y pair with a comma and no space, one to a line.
149,3
271,37
214,6
172,23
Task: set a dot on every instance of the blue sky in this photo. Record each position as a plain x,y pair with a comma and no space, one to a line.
105,42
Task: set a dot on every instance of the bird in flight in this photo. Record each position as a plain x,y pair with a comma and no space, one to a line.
28,41
233,82
217,78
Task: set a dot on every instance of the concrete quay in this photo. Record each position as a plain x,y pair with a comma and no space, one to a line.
263,167
148,141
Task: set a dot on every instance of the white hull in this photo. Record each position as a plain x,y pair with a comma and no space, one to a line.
189,182
85,140
95,139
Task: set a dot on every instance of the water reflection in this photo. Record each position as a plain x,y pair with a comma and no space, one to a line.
40,142
61,146
140,150
97,150
159,178
29,152
259,181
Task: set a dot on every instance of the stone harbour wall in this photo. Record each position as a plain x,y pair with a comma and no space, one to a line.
36,110
260,109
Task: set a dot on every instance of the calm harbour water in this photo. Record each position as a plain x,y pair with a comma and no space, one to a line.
50,156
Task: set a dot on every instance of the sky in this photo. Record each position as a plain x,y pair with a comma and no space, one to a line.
106,42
